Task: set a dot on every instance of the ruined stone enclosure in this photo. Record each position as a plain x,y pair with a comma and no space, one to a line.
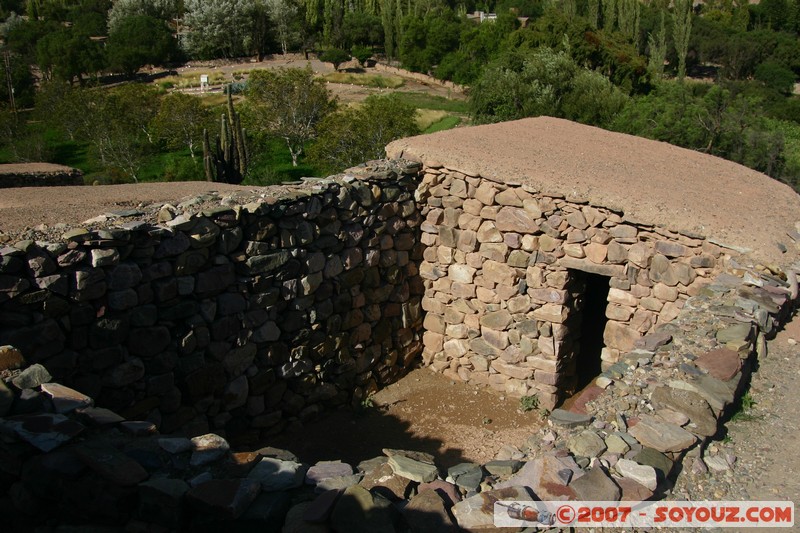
528,256
550,248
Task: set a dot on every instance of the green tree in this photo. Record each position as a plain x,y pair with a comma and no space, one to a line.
288,104
356,135
776,77
543,82
335,56
165,10
68,55
180,122
282,14
223,28
681,32
658,50
117,125
137,41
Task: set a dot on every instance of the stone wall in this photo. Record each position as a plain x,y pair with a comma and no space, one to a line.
38,175
234,318
503,270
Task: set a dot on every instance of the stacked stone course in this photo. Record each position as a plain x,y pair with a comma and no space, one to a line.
502,271
236,318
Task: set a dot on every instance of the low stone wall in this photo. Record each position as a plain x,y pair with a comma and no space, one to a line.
38,175
424,78
234,318
503,269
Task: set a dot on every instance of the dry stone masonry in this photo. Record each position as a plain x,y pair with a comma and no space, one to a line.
504,269
233,318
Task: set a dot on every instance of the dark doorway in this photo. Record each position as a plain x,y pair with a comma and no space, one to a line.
593,324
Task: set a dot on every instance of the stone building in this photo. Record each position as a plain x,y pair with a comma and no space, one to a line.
551,248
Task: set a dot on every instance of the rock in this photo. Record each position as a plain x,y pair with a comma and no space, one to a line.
413,470
478,511
226,498
716,463
653,341
327,469
45,431
632,491
447,491
643,474
65,399
547,476
722,364
337,483
111,464
427,512
275,474
568,419
690,404
98,416
359,511
175,444
207,449
587,444
654,458
294,522
319,511
161,501
466,475
31,377
736,334
661,436
596,486
503,468
267,512
10,358
384,481
616,444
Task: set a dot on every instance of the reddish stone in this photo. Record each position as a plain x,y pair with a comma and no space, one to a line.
590,393
447,491
722,363
632,491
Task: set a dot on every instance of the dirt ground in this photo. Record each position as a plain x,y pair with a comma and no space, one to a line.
456,422
343,91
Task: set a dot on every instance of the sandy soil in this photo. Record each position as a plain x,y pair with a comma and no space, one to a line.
652,182
454,421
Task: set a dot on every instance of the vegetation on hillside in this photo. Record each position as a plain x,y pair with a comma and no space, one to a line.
716,77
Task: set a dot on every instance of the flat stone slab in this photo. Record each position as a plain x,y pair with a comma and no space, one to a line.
65,399
662,436
466,475
360,511
596,486
327,469
689,403
413,470
45,431
274,474
643,474
569,419
722,363
547,476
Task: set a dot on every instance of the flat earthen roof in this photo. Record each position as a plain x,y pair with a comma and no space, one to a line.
649,181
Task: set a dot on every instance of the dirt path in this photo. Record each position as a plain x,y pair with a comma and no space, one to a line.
456,422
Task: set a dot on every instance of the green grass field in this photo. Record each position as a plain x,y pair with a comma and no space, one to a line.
446,123
429,101
380,81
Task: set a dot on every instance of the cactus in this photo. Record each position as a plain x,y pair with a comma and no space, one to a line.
228,162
